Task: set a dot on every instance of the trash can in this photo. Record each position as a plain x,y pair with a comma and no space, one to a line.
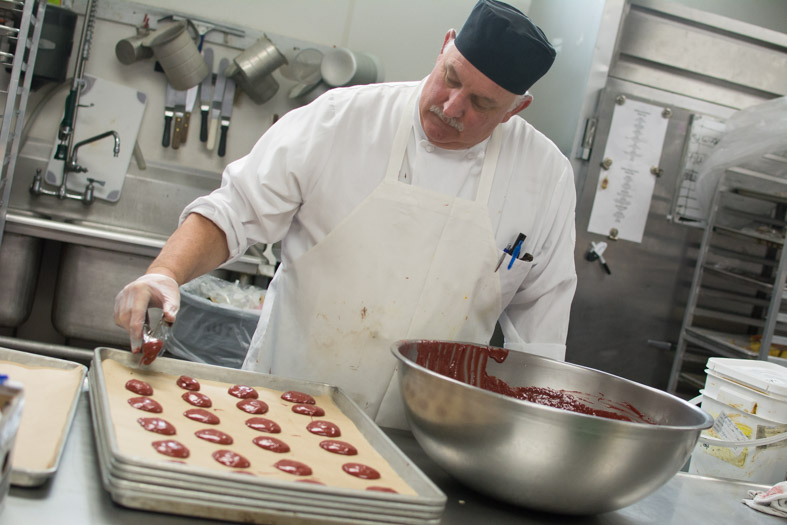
216,321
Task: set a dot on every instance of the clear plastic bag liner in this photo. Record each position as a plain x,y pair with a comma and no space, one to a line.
750,133
216,321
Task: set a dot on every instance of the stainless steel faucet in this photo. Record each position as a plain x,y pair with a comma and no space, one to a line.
71,165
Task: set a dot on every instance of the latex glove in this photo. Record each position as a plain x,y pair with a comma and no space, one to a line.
773,502
152,290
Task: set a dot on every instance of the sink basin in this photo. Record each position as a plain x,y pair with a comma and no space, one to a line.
88,280
20,259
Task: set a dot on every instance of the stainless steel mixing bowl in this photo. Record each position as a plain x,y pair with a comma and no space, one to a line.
537,456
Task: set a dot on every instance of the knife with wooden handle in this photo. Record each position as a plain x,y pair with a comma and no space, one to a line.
180,110
191,98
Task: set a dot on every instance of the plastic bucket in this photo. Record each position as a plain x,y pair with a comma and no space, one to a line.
748,401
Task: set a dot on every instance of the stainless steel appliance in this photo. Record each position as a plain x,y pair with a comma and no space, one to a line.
689,63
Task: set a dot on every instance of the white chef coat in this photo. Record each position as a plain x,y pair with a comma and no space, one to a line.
318,162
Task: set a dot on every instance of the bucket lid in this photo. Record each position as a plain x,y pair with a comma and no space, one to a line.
764,376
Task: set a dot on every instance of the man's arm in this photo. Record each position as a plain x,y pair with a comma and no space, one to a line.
195,248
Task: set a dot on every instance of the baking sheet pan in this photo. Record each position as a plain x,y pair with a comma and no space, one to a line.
117,472
150,497
34,477
126,477
124,490
427,492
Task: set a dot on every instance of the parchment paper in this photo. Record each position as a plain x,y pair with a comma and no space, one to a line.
48,395
133,440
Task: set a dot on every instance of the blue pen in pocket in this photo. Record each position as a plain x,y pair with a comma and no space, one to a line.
517,248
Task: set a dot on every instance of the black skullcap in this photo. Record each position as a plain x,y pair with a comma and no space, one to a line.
505,45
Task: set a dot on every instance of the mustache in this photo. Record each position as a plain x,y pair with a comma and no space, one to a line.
454,123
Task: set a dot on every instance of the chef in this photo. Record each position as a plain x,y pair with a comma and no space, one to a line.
413,210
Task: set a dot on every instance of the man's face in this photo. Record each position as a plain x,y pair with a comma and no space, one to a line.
459,105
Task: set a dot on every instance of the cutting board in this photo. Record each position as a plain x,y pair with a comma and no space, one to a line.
103,106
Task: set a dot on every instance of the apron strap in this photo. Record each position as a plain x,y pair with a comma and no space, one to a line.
399,146
402,136
490,165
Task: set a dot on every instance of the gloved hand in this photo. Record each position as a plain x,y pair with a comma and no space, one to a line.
152,290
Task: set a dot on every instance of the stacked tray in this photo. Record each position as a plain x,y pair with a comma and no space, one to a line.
166,486
27,476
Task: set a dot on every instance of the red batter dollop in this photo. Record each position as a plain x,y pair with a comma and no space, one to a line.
150,351
263,425
202,416
382,489
231,459
467,363
214,436
172,448
252,406
271,443
197,399
308,410
188,383
243,392
339,447
295,468
139,387
157,425
324,428
359,470
294,396
145,403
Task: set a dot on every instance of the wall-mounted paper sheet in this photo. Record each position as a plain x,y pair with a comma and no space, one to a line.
623,192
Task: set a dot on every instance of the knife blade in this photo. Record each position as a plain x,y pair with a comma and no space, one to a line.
169,111
180,110
226,113
191,99
215,108
206,94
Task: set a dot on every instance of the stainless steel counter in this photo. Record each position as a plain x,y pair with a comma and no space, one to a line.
75,496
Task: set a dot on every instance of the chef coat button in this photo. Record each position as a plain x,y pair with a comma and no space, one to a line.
470,156
429,148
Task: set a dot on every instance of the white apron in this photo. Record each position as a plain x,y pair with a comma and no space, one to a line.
406,263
